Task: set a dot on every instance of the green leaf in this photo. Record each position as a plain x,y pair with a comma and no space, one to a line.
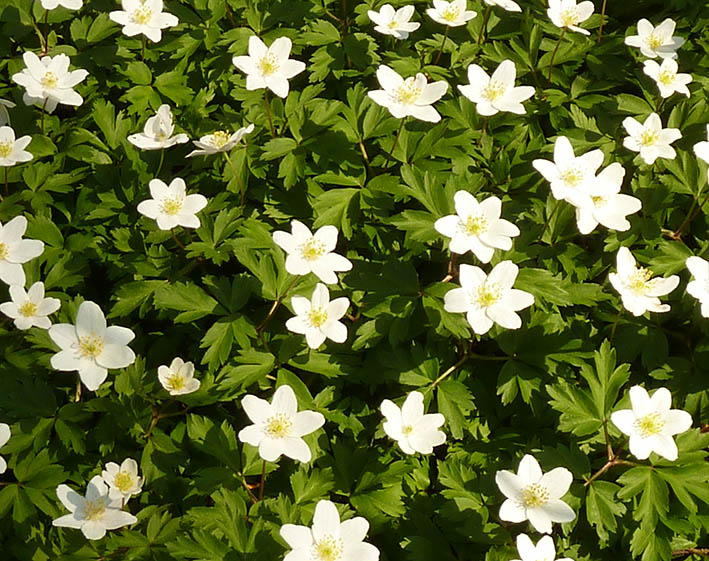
189,299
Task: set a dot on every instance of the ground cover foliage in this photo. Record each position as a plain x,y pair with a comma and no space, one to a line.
546,389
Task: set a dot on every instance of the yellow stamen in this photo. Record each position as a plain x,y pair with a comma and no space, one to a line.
638,281
28,309
494,90
650,425
50,80
142,15
93,510
534,496
268,64
312,249
655,40
488,294
124,481
666,77
649,137
570,17
279,425
408,92
328,549
451,13
90,346
220,138
317,317
572,176
476,225
175,381
171,207
5,149
3,251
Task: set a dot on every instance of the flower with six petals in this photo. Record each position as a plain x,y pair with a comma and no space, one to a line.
318,318
30,308
143,16
657,41
566,14
157,133
453,13
414,431
269,67
123,481
394,22
178,378
497,92
13,151
14,251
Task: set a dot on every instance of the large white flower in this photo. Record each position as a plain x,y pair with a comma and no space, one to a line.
317,318
13,151
219,141
329,539
497,92
69,4
412,96
31,308
566,14
650,139
667,78
454,13
14,251
123,481
699,285
414,431
656,41
701,149
638,291
171,206
488,299
178,378
157,133
5,434
90,347
308,252
278,426
269,67
47,81
535,496
543,551
651,423
477,227
508,5
93,514
143,16
394,22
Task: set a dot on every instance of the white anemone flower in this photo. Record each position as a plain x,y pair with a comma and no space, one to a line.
394,22
318,317
143,16
123,481
13,151
48,82
414,431
699,285
269,67
5,104
701,149
171,206
308,252
90,347
543,551
5,434
566,14
329,539
93,514
411,96
535,496
497,92
178,378
278,426
508,5
650,139
638,291
14,251
453,14
219,141
477,227
157,133
651,423
667,78
657,41
488,299
31,308
68,4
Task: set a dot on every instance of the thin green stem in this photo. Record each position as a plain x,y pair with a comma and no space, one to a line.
551,215
275,305
483,28
553,54
263,482
77,391
229,14
268,114
603,17
440,51
162,159
690,216
242,191
393,146
46,32
174,237
450,370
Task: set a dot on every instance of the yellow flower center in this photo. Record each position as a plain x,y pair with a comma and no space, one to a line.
408,92
269,65
28,309
142,15
655,40
93,510
5,149
317,317
328,549
90,346
648,138
220,138
175,381
666,77
569,17
488,294
279,425
171,206
407,430
50,80
638,281
3,251
451,13
161,136
534,496
123,481
475,225
573,176
650,425
312,249
599,201
393,24
494,90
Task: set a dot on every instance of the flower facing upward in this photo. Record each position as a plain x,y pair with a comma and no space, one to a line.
535,496
14,251
656,41
411,96
497,92
278,426
329,539
543,551
651,423
566,14
454,13
650,139
31,308
157,133
219,141
178,378
667,78
508,5
318,317
13,151
414,431
90,347
69,4
123,481
5,434
269,67
170,205
701,149
394,22
638,291
699,285
143,16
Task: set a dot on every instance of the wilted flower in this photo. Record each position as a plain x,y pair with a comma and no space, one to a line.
69,4
701,149
667,78
178,378
143,16
699,285
497,92
31,308
13,151
123,480
414,431
650,139
219,141
394,22
454,13
543,551
5,434
157,133
5,104
170,205
508,5
567,14
656,41
14,251
318,317
269,67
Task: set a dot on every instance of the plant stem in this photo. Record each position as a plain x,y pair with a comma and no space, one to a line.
174,237
77,392
44,105
450,371
701,551
551,214
677,234
6,187
483,28
440,52
263,482
553,54
268,113
162,159
396,139
242,191
450,275
275,305
603,16
229,14
46,32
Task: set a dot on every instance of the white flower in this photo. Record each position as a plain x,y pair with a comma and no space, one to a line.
412,96
650,139
47,81
477,227
508,5
605,204
329,539
569,174
93,514
31,308
219,141
701,149
534,496
69,4
566,14
488,299
278,426
667,78
170,205
394,22
454,13
13,151
178,378
656,41
123,480
157,133
5,434
14,251
414,431
651,423
317,318
699,285
143,16
543,551
90,347
496,93
4,113
269,67
309,252
638,291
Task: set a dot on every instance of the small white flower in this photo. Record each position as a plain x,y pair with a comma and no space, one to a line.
4,113
638,291
508,5
143,16
178,378
567,14
278,426
329,539
31,308
69,4
123,480
535,496
90,347
656,41
318,317
47,81
412,96
157,133
394,22
93,514
219,141
701,149
651,423
171,206
543,551
477,227
488,299
699,285
269,67
414,431
308,252
650,139
454,13
667,78
5,434
497,92
13,151
14,251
